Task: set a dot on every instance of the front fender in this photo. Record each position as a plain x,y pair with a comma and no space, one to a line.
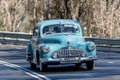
83,46
52,48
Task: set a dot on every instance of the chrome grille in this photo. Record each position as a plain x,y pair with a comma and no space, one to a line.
66,53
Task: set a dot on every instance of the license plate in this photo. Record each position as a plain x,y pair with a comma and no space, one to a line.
70,60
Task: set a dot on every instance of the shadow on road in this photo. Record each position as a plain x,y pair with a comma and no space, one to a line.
60,68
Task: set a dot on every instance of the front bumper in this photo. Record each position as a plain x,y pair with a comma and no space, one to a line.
57,60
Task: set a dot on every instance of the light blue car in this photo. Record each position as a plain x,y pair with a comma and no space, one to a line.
59,42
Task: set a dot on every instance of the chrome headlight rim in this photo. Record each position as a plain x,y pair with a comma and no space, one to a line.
45,49
91,46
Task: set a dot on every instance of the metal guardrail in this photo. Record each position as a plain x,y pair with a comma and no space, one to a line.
106,44
17,38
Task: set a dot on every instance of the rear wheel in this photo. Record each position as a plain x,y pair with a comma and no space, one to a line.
32,65
90,65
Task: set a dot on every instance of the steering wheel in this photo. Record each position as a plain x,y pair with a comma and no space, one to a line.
49,32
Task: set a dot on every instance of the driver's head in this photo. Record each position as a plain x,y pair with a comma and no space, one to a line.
56,29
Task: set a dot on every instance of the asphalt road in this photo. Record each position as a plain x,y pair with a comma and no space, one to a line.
13,66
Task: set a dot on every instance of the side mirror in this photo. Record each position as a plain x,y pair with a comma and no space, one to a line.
36,31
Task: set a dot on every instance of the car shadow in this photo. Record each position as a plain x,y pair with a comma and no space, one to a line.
61,68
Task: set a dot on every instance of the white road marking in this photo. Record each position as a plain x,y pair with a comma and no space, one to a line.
110,62
88,75
26,71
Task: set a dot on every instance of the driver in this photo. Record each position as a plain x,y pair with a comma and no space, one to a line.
56,30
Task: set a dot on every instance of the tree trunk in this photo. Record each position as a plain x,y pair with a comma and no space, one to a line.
9,27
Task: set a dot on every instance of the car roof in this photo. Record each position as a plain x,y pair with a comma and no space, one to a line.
57,21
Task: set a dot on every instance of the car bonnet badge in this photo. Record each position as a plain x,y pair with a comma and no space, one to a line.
69,48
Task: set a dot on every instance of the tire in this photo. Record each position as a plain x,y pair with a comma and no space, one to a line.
78,64
90,65
43,67
32,66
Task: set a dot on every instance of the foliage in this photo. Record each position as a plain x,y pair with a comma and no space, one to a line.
99,18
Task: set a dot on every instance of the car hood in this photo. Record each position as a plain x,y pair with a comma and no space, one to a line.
62,40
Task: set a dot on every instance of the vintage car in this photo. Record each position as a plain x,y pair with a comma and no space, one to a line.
59,42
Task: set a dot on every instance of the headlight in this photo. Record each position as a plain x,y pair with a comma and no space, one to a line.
45,49
91,46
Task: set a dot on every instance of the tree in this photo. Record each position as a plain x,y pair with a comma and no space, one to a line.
14,14
98,17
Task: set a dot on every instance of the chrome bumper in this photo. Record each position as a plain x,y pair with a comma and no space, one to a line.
57,60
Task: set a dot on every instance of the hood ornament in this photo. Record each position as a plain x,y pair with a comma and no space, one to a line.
68,41
70,48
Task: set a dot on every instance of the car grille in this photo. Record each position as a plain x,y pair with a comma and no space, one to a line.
66,53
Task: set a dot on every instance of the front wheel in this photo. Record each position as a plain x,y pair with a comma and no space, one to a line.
43,67
90,65
32,65
78,64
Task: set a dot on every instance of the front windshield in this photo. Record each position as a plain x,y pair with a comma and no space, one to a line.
60,28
